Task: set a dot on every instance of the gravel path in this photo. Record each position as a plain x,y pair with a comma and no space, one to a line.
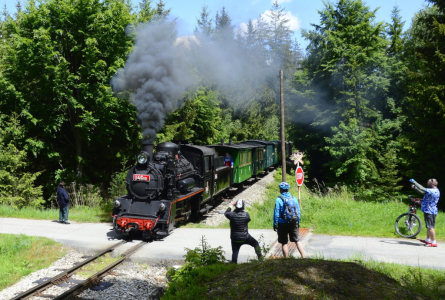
252,194
130,281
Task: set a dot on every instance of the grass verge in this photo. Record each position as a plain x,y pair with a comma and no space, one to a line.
77,213
337,213
21,255
309,279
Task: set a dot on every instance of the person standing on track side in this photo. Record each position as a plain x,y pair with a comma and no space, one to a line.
239,232
429,208
63,199
286,229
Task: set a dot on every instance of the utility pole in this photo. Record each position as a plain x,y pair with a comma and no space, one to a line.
283,144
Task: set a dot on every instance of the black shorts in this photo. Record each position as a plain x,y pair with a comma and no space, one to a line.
430,220
286,230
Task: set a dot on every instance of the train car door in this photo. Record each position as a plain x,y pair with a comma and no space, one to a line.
213,176
208,180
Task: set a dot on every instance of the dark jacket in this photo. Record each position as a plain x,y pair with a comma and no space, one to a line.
238,224
62,197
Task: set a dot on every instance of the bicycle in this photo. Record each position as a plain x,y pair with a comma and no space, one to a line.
409,224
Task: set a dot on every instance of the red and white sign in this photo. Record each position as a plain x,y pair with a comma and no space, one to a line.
299,176
139,177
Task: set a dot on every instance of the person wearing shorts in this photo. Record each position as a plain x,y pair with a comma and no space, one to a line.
429,208
287,230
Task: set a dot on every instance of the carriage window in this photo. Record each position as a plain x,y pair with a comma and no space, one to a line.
250,156
207,165
198,162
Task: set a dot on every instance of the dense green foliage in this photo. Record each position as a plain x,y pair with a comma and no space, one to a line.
365,102
16,186
204,255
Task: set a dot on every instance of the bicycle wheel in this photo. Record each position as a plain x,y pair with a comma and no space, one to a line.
408,225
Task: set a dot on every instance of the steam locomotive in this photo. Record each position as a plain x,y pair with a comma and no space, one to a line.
179,180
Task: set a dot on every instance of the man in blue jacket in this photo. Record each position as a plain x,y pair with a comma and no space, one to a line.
286,228
63,199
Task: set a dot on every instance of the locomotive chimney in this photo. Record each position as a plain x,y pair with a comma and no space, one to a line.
230,141
148,148
222,142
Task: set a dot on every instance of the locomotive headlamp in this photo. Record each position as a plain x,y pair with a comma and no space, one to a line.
117,203
161,207
142,158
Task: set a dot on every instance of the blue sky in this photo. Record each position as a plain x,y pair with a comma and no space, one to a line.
302,13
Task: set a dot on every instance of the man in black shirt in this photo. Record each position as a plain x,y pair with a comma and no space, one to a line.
62,197
239,233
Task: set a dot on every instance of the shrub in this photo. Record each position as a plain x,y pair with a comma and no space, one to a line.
17,187
198,257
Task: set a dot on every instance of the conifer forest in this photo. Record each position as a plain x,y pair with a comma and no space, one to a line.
365,101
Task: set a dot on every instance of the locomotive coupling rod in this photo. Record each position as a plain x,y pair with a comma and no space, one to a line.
65,273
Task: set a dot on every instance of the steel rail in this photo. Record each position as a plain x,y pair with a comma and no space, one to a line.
64,274
77,289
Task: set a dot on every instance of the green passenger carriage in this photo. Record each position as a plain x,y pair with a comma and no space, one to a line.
242,159
269,154
288,149
258,158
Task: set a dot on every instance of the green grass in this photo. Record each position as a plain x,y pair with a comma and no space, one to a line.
78,213
21,255
337,213
97,265
309,279
427,282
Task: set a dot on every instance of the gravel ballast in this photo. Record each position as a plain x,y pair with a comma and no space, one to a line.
130,281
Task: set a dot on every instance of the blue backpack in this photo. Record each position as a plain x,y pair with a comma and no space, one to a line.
291,210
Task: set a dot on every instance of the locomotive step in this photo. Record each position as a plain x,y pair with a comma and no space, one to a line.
205,209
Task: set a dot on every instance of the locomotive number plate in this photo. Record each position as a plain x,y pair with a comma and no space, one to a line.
139,177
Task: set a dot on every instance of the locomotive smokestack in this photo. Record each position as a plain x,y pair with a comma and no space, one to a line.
148,148
222,142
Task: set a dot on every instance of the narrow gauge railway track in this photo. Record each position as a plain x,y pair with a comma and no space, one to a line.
230,195
77,289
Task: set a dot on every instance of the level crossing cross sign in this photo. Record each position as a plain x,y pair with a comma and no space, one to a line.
299,176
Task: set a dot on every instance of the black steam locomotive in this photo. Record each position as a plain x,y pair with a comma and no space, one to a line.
181,179
169,186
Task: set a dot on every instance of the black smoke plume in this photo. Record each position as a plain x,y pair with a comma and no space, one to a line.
154,75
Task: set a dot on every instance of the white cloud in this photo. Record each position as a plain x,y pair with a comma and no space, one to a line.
282,1
294,23
243,27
